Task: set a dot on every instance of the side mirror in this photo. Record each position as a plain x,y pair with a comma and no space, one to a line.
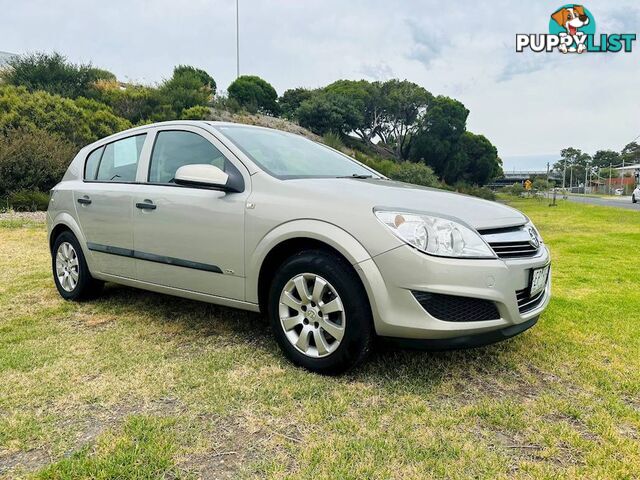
202,175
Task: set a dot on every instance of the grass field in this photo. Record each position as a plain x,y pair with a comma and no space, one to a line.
139,385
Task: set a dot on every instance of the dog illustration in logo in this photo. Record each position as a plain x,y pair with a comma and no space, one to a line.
571,19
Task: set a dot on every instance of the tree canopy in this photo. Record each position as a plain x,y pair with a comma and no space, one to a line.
255,94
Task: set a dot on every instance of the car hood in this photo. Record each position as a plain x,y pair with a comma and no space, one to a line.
388,194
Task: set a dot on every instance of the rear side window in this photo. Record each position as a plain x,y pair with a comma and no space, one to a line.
174,149
91,167
119,161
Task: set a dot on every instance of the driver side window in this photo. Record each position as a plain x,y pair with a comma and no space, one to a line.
175,148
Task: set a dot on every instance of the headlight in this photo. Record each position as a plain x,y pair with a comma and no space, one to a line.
533,232
435,235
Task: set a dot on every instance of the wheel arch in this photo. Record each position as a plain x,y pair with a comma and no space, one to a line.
65,222
293,237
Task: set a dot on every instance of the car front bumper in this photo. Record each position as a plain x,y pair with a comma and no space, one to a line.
391,277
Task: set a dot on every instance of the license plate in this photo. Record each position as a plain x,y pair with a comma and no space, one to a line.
539,280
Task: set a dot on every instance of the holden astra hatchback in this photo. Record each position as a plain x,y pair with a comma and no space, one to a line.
331,251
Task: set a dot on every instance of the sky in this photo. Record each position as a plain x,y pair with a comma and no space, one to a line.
529,105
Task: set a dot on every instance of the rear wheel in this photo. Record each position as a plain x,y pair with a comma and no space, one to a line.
319,312
70,271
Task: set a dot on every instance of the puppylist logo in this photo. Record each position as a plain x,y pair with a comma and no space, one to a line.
572,29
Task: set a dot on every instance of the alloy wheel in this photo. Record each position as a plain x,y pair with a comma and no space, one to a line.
67,266
312,315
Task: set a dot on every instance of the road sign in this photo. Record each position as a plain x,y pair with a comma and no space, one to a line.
527,185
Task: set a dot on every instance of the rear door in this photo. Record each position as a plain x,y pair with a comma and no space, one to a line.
188,237
104,204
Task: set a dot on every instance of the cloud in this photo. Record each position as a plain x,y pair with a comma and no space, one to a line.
620,20
428,43
378,71
526,63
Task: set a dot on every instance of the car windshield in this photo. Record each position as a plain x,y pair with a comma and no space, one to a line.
285,155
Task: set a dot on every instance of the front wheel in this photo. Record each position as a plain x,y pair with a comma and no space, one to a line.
633,198
70,271
319,312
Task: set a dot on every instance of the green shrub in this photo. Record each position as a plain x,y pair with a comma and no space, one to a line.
333,140
482,192
188,87
28,201
136,103
198,112
32,160
79,121
254,94
53,73
516,190
408,172
416,173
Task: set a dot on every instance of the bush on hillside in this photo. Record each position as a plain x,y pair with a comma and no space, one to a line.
32,160
136,103
198,112
254,94
78,121
416,173
53,73
333,140
187,88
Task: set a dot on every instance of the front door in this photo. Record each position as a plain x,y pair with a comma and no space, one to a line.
186,237
105,207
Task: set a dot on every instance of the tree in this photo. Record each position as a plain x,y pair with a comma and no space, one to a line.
188,87
328,112
79,121
405,105
631,153
476,161
53,73
254,94
436,142
604,158
368,99
291,100
573,163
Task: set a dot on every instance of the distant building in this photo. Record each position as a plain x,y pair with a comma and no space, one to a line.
628,169
5,57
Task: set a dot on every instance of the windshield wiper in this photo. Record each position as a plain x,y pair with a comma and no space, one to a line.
356,175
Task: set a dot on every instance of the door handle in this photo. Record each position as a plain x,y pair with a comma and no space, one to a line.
146,205
84,200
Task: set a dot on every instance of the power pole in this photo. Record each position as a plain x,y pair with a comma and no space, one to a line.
584,191
610,169
564,174
570,178
237,38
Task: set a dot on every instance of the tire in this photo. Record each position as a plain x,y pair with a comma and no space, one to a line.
336,310
67,257
634,199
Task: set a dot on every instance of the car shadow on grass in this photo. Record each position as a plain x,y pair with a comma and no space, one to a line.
388,366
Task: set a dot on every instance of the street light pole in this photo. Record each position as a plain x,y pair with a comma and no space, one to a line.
586,166
237,39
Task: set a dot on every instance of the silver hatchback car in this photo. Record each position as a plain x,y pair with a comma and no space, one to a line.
330,250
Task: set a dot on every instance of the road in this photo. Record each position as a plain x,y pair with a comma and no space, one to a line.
619,202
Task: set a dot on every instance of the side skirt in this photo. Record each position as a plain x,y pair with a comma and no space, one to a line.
203,297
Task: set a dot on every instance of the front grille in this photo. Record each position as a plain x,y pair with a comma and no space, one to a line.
452,308
513,249
526,303
511,242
